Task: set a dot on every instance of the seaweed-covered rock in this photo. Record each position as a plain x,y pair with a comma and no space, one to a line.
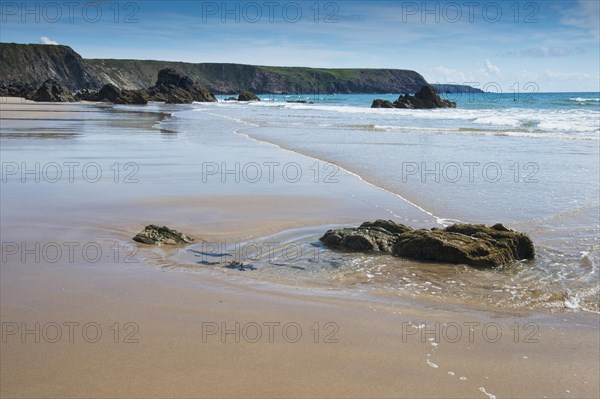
155,235
378,236
475,245
248,96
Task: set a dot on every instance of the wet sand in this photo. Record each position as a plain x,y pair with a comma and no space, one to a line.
169,340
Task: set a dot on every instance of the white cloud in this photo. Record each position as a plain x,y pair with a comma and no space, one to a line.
544,52
585,16
480,75
46,40
568,75
490,69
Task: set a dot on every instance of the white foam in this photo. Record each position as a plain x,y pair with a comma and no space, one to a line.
489,395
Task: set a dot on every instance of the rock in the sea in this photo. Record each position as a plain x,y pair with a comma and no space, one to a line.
174,88
475,245
52,91
239,266
382,104
425,98
248,96
155,235
378,236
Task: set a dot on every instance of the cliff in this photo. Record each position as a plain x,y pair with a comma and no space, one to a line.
34,63
235,78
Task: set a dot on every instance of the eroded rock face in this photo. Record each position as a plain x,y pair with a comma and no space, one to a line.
52,91
155,235
474,245
425,98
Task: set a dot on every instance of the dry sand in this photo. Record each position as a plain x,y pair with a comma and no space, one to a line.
368,349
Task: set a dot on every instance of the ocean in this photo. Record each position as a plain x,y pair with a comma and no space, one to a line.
530,161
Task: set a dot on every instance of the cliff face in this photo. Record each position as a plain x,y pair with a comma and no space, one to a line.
33,63
235,78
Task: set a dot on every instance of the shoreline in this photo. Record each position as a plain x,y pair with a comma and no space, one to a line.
172,308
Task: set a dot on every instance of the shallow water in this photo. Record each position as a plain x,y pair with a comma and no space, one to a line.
531,165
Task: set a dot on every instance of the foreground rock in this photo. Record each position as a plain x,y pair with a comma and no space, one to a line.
155,235
475,245
52,91
248,96
174,88
425,98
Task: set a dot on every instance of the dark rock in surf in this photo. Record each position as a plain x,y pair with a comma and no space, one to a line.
248,96
474,245
425,98
382,104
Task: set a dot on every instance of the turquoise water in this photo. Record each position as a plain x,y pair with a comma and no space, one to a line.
532,164
528,100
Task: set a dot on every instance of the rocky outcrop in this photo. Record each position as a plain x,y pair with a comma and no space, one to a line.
36,63
112,94
155,235
474,245
174,88
378,236
248,96
17,89
425,98
382,104
53,91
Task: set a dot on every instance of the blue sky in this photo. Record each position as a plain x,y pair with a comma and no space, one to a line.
554,44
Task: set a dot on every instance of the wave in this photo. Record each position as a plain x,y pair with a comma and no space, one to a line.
583,100
577,124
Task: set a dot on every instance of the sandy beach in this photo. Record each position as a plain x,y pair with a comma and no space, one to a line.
86,312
